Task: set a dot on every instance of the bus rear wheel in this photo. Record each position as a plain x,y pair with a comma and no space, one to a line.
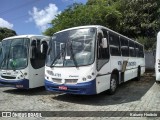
158,82
139,74
113,84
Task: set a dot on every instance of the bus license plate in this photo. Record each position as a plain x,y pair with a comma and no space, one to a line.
63,87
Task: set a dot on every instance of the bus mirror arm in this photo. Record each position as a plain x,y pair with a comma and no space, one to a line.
104,43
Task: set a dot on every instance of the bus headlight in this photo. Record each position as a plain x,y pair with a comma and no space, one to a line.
89,76
84,79
25,73
46,77
49,72
93,73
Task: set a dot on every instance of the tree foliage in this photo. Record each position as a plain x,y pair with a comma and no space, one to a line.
5,32
79,14
138,19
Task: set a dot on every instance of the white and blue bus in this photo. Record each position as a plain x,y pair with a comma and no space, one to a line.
157,61
91,59
0,52
23,60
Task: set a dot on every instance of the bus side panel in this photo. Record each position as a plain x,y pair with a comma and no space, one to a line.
116,64
36,77
157,64
102,83
129,74
131,69
103,78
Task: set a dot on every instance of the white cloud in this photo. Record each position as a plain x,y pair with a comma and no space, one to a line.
44,16
4,23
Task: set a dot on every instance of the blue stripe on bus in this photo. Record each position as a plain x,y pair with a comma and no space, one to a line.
87,88
24,83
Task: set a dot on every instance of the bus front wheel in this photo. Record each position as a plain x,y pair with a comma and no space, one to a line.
113,84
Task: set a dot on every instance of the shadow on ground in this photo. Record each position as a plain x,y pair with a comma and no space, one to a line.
29,92
127,92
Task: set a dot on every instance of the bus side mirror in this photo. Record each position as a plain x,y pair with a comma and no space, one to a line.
42,46
104,43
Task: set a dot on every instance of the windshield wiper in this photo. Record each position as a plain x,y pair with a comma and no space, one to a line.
58,55
72,54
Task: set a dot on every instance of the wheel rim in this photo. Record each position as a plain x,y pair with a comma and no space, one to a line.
113,84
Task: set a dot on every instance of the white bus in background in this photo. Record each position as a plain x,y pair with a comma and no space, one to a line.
91,59
23,60
0,52
157,63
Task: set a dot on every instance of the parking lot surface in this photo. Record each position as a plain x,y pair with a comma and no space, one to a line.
143,95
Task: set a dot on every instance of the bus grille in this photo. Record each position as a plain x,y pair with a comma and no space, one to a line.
57,80
8,77
71,81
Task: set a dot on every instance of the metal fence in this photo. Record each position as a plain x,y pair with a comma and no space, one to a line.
150,60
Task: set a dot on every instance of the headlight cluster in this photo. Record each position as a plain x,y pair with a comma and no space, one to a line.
50,72
88,77
20,76
46,77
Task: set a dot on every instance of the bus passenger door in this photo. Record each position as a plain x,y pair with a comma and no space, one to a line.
103,66
37,59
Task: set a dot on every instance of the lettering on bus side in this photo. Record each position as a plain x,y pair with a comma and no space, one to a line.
128,64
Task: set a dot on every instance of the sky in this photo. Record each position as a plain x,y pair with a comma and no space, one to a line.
31,16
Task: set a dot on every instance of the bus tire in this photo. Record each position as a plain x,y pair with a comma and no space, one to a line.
113,84
139,73
158,82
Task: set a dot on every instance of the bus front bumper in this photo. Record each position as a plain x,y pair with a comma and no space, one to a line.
21,84
87,88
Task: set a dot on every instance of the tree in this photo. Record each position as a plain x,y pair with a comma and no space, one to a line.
5,32
140,20
79,15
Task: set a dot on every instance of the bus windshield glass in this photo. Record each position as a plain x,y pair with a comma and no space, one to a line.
14,53
72,48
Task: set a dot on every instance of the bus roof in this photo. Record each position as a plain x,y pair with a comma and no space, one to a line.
97,26
26,36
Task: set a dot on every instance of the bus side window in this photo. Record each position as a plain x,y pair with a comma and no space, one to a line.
141,52
124,47
132,52
38,53
37,58
33,49
102,52
137,49
44,47
114,44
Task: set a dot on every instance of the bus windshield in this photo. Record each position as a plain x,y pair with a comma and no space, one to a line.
72,48
14,53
